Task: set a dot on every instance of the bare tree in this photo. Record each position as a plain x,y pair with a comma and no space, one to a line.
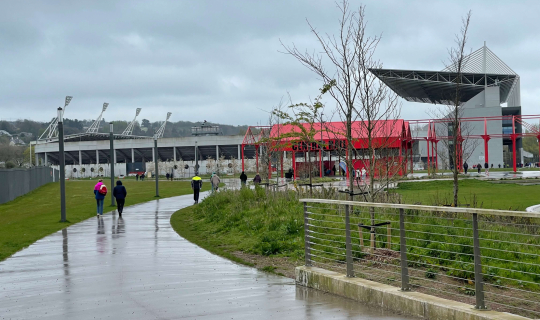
358,94
303,129
450,127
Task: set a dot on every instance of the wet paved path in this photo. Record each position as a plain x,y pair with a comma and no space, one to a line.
139,268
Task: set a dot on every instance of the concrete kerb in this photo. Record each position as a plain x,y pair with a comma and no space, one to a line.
392,298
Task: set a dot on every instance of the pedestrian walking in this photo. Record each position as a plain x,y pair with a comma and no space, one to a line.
479,167
358,175
100,191
137,177
142,176
196,185
465,167
215,180
120,193
363,173
257,179
486,167
243,179
167,176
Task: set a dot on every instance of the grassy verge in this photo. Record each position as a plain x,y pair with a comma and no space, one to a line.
36,215
184,223
476,193
247,226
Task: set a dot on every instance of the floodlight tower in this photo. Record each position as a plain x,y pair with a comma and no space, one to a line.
94,128
51,131
129,129
161,130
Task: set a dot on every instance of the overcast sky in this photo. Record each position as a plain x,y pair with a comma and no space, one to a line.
220,60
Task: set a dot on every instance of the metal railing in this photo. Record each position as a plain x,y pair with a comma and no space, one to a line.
488,258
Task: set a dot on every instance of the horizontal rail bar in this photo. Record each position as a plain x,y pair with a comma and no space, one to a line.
505,213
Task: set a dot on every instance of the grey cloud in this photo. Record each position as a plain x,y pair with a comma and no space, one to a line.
220,60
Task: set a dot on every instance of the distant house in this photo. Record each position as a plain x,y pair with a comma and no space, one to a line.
15,141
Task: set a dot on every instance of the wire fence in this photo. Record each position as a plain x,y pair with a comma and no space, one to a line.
487,258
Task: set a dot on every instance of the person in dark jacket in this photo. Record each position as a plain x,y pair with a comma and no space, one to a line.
137,176
196,185
479,167
486,167
257,179
120,193
167,176
243,178
465,167
142,176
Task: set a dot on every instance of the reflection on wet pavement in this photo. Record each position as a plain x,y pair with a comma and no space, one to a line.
137,267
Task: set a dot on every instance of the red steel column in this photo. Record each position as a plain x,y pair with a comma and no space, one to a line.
321,166
347,157
514,142
257,158
242,157
400,158
427,143
281,164
294,164
269,168
436,155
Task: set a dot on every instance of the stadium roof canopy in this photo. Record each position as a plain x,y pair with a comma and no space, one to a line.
93,137
481,69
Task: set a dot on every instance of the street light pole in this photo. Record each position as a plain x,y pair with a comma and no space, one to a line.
111,156
62,161
321,149
156,154
196,159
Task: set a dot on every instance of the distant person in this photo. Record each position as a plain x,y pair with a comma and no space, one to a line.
465,167
486,167
492,166
357,175
215,180
257,179
120,193
100,191
363,173
334,169
479,167
167,176
243,179
196,185
137,177
499,165
142,176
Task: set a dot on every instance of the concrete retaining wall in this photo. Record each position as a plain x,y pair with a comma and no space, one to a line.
17,182
392,298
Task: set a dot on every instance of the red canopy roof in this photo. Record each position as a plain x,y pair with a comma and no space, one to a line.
384,133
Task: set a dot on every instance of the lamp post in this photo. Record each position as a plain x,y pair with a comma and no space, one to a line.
62,164
156,154
321,148
196,159
111,156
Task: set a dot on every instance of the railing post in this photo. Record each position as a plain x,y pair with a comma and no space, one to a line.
306,237
348,245
478,280
403,251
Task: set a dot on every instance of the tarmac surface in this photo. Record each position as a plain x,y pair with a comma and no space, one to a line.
139,268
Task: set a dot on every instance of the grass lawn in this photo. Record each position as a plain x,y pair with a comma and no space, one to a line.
476,193
250,221
37,214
